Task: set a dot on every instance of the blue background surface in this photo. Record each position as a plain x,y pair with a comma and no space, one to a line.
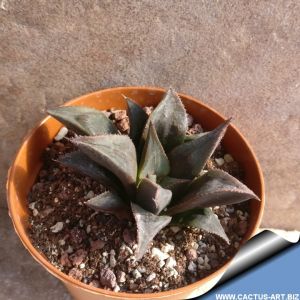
280,274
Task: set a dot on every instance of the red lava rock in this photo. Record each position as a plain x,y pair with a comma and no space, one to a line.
76,274
108,278
191,254
78,257
128,237
77,235
242,227
123,125
64,260
97,245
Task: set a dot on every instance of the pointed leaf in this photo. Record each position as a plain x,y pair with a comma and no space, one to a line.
154,160
84,120
82,163
170,121
113,152
176,185
215,188
187,160
148,225
152,197
208,222
137,119
110,203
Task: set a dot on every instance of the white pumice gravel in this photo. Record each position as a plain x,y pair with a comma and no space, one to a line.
159,254
62,242
35,212
121,277
195,245
228,158
32,205
61,134
220,161
170,262
88,229
112,261
167,248
161,263
141,269
151,277
82,266
57,227
200,260
70,249
117,289
136,274
192,267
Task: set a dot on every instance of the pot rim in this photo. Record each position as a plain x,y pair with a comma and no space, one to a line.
41,259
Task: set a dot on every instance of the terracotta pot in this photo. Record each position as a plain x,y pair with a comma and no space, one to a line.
25,168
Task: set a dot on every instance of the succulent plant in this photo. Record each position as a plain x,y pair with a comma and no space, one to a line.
153,175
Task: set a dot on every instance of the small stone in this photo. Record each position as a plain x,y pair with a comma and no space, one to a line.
200,260
151,277
136,274
161,263
206,259
123,125
82,266
170,262
148,110
141,269
121,276
64,260
77,235
76,274
81,223
242,228
67,221
112,252
94,283
78,257
172,272
228,158
70,249
108,278
119,115
104,254
35,212
194,245
192,267
196,128
191,254
61,242
89,195
57,227
32,205
112,261
97,245
159,254
212,248
61,134
175,229
56,200
236,245
167,248
117,289
88,229
220,161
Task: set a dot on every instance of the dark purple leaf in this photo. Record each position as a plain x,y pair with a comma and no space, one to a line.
116,153
176,185
154,160
137,119
82,163
110,203
170,121
148,225
83,120
215,188
208,222
187,160
152,197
